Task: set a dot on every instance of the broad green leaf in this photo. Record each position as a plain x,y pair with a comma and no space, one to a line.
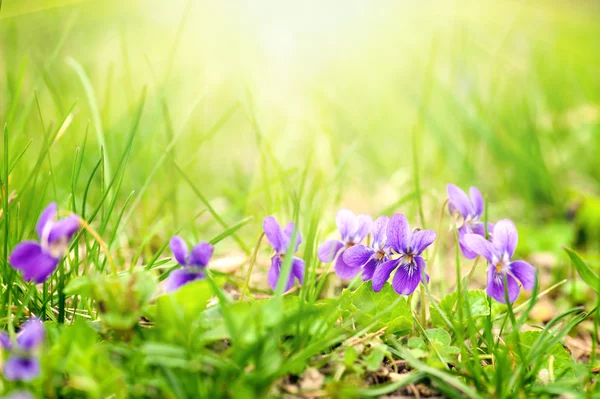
478,307
587,274
437,345
185,304
350,356
81,285
368,307
76,351
417,343
440,340
438,337
375,357
562,363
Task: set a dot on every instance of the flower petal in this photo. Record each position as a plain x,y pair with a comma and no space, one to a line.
343,270
275,272
64,229
495,287
382,273
201,254
180,277
179,249
379,231
369,268
479,245
422,239
408,277
398,233
364,227
48,215
357,255
467,253
476,200
347,223
524,272
274,234
29,258
505,237
329,250
273,275
21,368
462,231
459,200
32,334
288,232
5,341
479,229
298,269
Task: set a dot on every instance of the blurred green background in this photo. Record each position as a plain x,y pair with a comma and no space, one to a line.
327,103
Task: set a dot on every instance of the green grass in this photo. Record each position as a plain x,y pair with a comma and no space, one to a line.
152,119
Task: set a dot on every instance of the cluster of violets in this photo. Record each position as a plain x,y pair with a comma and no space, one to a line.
394,247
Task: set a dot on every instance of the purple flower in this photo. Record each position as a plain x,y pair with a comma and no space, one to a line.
499,253
36,260
280,241
410,265
370,257
467,211
192,264
22,363
353,230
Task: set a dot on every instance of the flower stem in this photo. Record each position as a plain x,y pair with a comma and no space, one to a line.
470,275
423,305
252,262
436,244
101,242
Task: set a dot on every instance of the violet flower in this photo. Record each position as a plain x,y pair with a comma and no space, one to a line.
22,363
369,258
36,260
192,264
353,230
280,241
410,266
498,254
467,211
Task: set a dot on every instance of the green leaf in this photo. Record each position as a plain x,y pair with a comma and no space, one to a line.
160,354
368,307
562,363
417,343
587,274
440,340
478,307
437,347
438,337
350,356
76,351
81,285
375,357
185,304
